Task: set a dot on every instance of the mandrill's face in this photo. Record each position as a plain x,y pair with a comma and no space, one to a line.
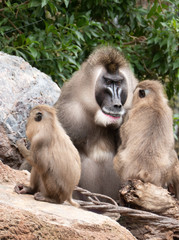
111,95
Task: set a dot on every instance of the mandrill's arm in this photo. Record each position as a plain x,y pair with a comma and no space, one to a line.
25,152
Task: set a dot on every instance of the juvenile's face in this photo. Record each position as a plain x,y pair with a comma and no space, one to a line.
39,116
34,119
147,92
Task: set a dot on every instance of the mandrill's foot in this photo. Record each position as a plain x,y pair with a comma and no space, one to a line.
40,197
22,189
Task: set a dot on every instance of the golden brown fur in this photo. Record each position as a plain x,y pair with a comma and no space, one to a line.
55,161
147,149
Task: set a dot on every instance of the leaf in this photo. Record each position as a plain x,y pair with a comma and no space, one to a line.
164,42
156,57
3,21
8,3
138,16
175,136
71,60
155,65
33,52
60,67
22,55
34,3
44,3
176,116
139,66
152,10
79,35
71,20
88,34
176,64
66,3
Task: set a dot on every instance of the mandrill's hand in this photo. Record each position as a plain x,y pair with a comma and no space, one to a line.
21,145
21,142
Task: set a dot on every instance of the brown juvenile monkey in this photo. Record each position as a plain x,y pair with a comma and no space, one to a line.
91,108
147,150
55,162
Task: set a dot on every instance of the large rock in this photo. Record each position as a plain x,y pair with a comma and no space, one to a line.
22,87
24,218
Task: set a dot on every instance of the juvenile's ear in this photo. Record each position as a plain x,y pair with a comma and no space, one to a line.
141,93
38,117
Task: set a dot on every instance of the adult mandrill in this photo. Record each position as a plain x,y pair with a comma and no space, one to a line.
91,109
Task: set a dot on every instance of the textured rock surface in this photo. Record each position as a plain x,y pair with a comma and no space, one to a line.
22,87
24,218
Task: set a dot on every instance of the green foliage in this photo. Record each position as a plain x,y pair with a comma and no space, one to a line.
175,123
57,35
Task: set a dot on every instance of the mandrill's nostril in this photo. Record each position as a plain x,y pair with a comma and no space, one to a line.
117,106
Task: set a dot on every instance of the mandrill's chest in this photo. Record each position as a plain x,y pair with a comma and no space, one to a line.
101,146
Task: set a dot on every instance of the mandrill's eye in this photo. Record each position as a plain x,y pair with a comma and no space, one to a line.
38,117
141,93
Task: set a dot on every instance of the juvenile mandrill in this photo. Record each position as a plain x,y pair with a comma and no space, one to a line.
147,150
91,108
55,162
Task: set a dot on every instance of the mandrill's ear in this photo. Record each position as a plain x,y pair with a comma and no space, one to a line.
38,117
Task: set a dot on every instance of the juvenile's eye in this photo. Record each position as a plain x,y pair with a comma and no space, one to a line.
141,93
38,117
